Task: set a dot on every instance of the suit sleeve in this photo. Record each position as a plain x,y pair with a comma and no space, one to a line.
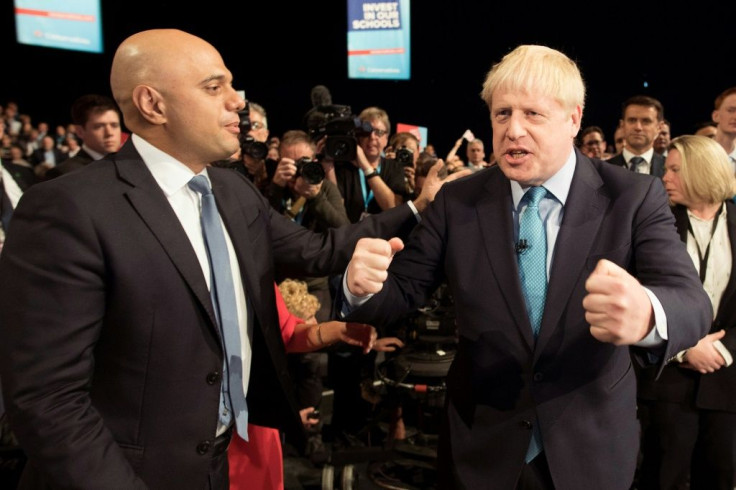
661,263
301,251
51,313
415,272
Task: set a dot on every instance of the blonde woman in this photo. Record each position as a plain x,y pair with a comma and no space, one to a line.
689,413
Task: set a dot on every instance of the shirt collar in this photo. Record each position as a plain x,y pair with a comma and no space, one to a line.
558,185
647,155
96,155
170,174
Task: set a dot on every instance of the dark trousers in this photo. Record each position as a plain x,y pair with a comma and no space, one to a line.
218,477
687,448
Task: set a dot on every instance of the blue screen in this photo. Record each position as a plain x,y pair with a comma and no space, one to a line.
62,24
379,39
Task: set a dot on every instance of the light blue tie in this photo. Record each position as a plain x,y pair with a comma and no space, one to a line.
533,271
222,291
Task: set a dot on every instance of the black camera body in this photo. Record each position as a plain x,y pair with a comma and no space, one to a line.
341,127
405,157
248,145
310,170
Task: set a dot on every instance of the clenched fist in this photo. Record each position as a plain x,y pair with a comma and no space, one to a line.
367,270
617,307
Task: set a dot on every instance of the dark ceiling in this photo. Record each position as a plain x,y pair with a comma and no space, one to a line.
279,50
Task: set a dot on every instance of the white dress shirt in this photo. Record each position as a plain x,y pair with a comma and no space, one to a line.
173,176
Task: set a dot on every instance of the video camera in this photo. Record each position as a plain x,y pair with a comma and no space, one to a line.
248,145
341,127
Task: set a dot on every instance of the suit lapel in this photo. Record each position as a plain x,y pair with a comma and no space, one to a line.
233,212
584,210
148,199
496,225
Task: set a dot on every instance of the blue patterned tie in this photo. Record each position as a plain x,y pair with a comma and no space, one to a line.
533,271
222,291
533,257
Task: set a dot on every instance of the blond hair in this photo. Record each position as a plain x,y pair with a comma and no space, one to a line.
706,174
535,67
370,114
297,298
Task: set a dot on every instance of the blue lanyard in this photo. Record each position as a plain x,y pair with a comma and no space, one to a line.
367,196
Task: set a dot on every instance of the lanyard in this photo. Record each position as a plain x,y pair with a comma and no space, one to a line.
704,258
367,196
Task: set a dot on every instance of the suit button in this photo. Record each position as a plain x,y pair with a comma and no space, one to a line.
538,377
525,424
203,447
213,377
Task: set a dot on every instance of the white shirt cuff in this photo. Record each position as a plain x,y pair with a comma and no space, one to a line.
658,334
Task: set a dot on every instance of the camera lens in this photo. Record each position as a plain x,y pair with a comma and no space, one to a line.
310,170
405,156
253,148
341,148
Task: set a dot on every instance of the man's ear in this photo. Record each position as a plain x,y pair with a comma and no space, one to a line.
577,118
150,104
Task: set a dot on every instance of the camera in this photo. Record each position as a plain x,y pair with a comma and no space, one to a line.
405,157
310,170
248,145
341,127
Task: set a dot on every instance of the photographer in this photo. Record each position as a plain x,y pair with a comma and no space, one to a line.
299,189
252,161
372,183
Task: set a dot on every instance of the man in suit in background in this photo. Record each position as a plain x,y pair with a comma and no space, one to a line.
97,124
541,393
111,355
641,119
46,156
724,115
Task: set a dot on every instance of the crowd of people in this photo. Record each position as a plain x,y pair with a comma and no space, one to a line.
126,363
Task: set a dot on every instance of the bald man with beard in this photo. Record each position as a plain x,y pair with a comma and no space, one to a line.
110,351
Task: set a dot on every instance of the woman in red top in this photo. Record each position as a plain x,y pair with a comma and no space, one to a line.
258,463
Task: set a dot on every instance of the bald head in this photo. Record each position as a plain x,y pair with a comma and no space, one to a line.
151,58
175,91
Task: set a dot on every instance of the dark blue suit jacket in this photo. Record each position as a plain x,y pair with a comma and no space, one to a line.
580,391
109,351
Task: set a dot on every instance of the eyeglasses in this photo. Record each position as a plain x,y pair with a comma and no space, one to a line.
378,132
257,125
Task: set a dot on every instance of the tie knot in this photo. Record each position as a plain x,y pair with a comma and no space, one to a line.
199,183
635,162
534,195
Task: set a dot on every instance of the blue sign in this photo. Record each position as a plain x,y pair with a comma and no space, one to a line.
63,24
379,43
